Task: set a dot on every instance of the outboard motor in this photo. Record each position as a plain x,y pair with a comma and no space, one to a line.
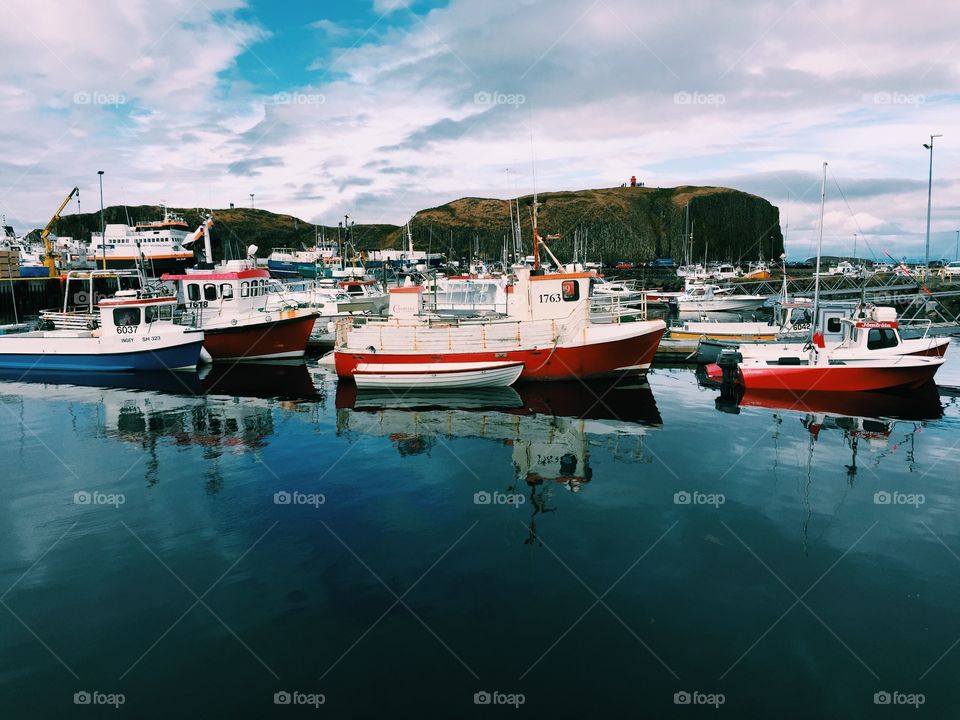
731,389
728,361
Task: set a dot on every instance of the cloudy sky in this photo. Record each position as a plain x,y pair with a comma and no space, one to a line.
378,108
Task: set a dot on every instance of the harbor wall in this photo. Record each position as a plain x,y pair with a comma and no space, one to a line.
22,298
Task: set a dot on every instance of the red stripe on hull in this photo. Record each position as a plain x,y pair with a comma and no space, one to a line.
848,378
563,363
938,350
286,338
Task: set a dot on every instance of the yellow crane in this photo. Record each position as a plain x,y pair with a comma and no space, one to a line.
49,258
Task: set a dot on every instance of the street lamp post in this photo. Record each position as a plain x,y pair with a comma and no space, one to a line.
103,239
926,260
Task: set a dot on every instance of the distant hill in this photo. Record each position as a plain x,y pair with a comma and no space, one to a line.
620,223
632,223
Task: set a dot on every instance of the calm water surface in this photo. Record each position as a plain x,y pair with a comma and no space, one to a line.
200,544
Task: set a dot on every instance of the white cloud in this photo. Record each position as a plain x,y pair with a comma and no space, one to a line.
770,93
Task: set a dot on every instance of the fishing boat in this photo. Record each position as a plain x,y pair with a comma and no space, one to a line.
130,331
230,303
547,326
847,330
704,298
441,376
623,289
363,295
757,271
290,263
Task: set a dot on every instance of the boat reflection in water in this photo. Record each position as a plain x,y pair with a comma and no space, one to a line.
221,410
550,427
883,424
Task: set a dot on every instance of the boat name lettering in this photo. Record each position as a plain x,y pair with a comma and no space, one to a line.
198,304
549,297
152,338
126,329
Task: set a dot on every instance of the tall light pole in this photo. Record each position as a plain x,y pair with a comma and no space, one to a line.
926,257
103,239
957,254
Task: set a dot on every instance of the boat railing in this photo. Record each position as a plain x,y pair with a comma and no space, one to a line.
607,308
188,318
915,325
70,319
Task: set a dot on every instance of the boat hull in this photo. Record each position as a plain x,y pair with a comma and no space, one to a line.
185,355
154,265
709,349
436,376
616,357
731,304
852,377
281,338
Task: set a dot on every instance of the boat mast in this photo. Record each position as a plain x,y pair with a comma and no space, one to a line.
816,275
536,237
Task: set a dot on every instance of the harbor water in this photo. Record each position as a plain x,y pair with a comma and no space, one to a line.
259,542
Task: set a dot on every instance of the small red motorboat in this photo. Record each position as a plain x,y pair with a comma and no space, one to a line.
823,374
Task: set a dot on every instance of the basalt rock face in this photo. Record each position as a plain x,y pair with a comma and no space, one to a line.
624,223
632,223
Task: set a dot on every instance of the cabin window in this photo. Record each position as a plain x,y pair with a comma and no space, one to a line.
880,338
833,325
150,313
123,317
800,315
209,291
193,292
570,290
165,312
226,291
244,289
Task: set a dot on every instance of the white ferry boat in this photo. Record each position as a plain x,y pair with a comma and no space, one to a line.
160,243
